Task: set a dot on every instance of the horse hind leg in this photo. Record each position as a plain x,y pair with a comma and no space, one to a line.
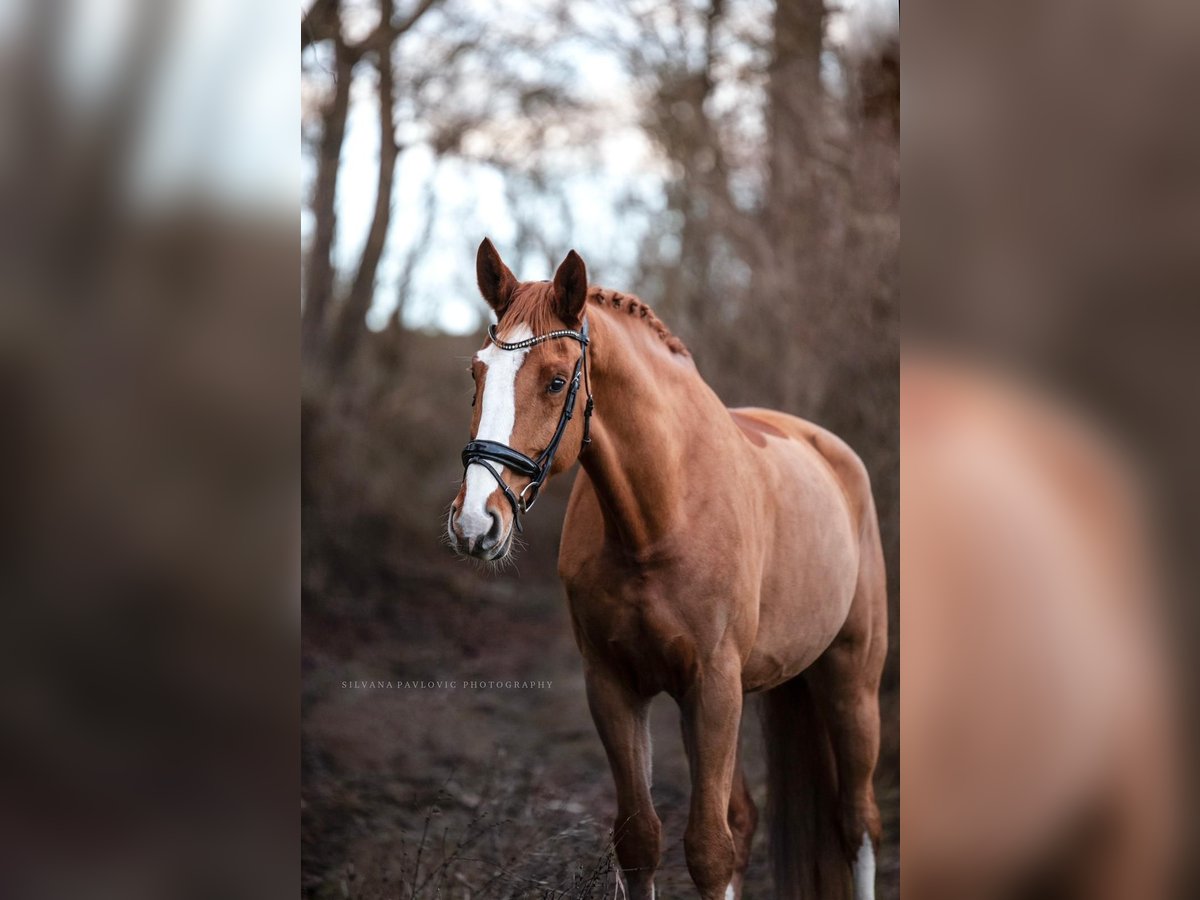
851,706
846,683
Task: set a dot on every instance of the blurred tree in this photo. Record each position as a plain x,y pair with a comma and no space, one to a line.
331,335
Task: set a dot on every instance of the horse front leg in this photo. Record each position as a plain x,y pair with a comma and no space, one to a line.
711,716
622,719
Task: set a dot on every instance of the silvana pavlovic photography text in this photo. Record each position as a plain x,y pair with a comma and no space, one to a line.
467,684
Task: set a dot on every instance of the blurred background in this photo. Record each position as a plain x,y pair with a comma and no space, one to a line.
735,163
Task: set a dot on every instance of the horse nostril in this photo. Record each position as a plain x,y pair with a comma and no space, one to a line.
494,532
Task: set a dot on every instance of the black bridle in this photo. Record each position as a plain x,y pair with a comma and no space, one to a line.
484,453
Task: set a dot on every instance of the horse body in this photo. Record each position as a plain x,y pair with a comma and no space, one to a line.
709,553
820,508
759,518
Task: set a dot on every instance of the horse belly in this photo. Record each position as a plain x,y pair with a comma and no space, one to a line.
810,574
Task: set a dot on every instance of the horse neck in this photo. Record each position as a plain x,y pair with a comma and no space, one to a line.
653,414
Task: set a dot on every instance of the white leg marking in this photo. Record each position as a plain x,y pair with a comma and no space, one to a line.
729,892
622,892
496,421
864,871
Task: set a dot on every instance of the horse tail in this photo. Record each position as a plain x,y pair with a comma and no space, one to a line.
809,860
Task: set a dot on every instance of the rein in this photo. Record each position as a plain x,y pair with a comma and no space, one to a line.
484,453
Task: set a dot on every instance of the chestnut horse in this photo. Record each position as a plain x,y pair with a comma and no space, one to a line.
706,552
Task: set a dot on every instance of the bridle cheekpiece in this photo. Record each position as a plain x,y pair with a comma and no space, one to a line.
484,453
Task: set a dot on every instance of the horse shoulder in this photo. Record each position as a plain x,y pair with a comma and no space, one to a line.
583,528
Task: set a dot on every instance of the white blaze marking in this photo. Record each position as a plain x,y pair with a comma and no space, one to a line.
729,892
864,871
496,420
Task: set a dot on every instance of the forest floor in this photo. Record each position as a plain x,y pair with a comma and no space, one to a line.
473,792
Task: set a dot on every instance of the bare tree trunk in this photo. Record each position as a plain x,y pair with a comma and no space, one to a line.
351,316
788,280
701,194
795,100
318,282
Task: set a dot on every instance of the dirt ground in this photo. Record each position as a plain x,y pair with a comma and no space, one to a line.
482,792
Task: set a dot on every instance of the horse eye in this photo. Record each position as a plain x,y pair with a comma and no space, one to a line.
557,385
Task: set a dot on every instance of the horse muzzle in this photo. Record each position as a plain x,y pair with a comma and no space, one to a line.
487,536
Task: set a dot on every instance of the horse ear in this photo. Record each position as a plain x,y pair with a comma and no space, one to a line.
496,282
570,288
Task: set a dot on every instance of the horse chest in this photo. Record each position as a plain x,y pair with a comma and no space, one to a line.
642,630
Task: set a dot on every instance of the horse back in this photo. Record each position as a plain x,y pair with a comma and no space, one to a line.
796,437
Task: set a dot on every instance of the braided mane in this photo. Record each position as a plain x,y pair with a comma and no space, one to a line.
637,309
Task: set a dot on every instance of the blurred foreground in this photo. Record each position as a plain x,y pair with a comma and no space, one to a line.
1039,739
1048,439
148,452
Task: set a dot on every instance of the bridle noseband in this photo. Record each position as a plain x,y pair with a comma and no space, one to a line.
484,453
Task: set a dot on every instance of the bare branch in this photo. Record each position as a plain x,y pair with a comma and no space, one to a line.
421,8
385,34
